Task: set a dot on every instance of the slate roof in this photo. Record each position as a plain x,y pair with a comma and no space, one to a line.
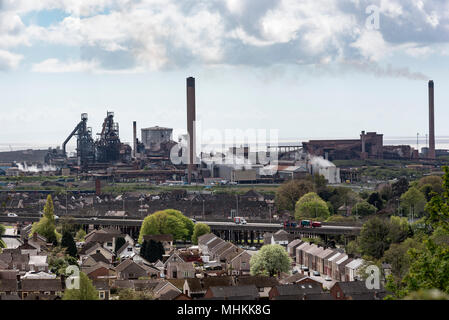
235,292
41,285
170,295
8,285
99,257
298,289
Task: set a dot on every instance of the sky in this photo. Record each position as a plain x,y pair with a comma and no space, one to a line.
310,69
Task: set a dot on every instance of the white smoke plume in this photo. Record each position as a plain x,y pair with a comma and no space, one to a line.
24,167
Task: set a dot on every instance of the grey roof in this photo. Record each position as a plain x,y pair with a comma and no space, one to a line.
41,285
356,287
235,291
8,285
299,289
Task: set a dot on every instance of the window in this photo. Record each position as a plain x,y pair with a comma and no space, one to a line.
261,289
130,249
338,294
109,244
101,294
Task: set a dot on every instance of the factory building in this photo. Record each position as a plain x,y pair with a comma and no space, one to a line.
369,146
155,138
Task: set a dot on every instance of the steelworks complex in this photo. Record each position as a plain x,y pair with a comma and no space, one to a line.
148,158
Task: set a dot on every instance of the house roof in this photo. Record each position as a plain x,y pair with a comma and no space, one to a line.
125,264
258,281
170,295
354,264
38,260
8,285
41,285
99,257
293,278
194,285
206,238
235,291
356,288
298,289
294,243
222,281
122,248
98,265
86,247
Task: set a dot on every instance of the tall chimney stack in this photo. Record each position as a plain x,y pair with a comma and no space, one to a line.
431,154
134,139
190,125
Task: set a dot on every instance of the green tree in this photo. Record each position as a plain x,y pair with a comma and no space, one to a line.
399,187
413,202
399,229
86,290
68,243
271,260
46,226
289,193
363,209
199,230
167,222
435,183
429,268
311,205
374,238
152,250
80,235
2,231
376,200
438,206
399,259
119,243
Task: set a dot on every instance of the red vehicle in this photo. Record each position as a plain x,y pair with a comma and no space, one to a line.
316,224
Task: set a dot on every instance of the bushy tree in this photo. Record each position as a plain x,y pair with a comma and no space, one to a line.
46,226
2,231
199,230
413,202
363,209
152,250
311,205
80,235
86,290
289,193
374,238
69,243
130,294
271,260
399,187
376,200
167,222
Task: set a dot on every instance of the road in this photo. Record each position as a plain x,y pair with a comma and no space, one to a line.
215,225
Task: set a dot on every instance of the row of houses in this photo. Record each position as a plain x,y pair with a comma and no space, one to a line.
334,263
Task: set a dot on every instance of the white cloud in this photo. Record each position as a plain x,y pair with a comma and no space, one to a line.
9,60
155,34
56,66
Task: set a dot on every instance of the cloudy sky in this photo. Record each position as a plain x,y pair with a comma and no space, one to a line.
311,68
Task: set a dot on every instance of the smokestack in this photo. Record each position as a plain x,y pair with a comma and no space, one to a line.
190,124
134,139
431,153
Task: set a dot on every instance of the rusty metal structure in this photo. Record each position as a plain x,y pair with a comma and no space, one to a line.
89,153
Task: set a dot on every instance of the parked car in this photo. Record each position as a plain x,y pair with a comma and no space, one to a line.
316,224
94,218
305,223
56,217
239,220
305,268
316,273
12,215
328,278
193,220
